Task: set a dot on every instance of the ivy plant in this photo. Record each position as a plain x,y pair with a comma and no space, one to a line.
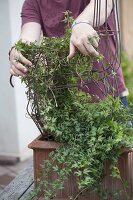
89,133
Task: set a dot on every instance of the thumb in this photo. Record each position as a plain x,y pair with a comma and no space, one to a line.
72,51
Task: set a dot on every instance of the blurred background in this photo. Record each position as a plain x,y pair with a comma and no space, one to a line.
16,129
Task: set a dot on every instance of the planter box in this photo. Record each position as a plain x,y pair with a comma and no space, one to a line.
41,150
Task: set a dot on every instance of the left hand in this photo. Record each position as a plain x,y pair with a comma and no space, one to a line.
85,39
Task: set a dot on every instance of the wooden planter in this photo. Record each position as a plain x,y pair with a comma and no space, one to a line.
41,150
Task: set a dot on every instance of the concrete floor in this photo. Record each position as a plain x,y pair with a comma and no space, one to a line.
9,172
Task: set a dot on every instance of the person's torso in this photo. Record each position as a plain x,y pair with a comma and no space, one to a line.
52,14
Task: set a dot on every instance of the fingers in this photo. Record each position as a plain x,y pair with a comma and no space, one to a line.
16,72
84,46
18,69
72,51
93,42
19,66
85,39
24,60
91,47
18,63
12,72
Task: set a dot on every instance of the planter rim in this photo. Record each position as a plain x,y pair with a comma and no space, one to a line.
42,144
126,150
37,143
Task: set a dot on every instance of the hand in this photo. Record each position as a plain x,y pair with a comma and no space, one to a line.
85,39
17,62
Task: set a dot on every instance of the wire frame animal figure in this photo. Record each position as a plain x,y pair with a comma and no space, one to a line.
52,79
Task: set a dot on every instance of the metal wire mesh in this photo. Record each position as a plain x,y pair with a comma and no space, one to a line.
109,68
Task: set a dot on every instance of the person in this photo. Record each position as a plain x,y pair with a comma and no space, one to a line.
47,16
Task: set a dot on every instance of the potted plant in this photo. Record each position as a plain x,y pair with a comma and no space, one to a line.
79,154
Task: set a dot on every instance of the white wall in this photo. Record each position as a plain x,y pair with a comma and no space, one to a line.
16,130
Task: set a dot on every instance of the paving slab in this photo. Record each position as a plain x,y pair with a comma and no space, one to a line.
19,186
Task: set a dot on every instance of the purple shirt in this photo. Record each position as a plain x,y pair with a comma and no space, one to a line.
49,14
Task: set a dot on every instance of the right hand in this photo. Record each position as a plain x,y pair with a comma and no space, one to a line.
85,39
17,63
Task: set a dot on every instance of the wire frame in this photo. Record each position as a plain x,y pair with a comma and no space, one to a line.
109,69
99,79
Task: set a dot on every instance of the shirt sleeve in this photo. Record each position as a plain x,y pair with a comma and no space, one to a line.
30,12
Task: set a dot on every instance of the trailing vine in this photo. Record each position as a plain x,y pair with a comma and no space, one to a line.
89,133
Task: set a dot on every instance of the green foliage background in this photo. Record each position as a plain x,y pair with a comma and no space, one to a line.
127,67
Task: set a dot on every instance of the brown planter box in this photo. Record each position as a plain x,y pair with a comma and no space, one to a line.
41,150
